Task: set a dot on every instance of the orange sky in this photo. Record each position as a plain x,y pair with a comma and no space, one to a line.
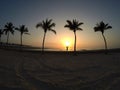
90,13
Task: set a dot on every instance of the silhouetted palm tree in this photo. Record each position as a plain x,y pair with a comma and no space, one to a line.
23,30
8,28
74,26
102,27
1,32
46,26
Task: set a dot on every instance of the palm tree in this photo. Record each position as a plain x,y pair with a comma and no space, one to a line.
74,26
46,26
8,28
23,30
1,32
102,27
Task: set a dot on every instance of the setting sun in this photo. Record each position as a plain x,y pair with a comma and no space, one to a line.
67,43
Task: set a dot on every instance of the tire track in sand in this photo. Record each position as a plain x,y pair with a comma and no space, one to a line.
29,82
19,67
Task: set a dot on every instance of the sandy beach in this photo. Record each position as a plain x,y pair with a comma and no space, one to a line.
21,70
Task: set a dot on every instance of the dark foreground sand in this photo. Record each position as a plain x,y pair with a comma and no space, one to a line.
57,71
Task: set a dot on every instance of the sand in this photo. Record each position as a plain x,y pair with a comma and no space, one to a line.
20,70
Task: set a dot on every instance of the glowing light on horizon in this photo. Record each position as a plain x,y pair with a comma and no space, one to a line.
67,43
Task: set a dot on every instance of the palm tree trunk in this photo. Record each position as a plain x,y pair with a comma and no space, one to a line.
7,37
0,39
21,39
43,42
105,42
75,42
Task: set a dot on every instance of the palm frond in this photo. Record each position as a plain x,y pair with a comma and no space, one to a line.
106,25
96,29
53,24
79,29
80,23
69,22
17,29
109,27
53,31
67,26
38,25
49,21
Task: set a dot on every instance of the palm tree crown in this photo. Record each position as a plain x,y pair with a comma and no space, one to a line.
1,32
8,28
23,30
74,26
46,26
102,27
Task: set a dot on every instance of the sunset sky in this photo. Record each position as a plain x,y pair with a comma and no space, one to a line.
90,12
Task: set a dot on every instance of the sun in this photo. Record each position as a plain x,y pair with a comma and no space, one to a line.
67,43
